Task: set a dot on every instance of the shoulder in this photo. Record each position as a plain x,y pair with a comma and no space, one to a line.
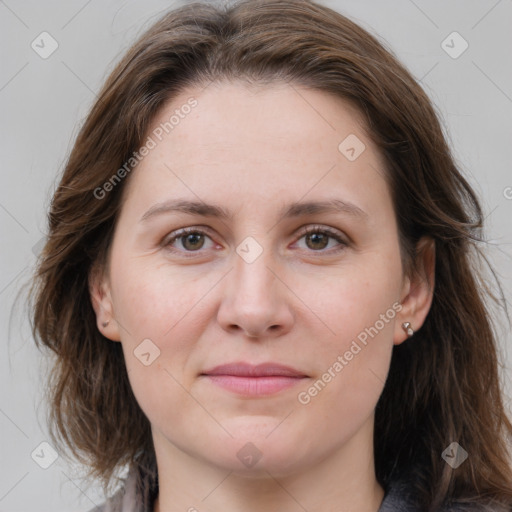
126,499
474,507
401,497
466,507
113,504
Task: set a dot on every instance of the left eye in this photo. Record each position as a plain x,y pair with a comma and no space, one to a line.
320,237
193,239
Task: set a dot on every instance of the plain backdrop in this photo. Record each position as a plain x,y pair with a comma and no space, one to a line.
43,102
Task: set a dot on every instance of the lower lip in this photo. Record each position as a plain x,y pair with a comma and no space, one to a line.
254,386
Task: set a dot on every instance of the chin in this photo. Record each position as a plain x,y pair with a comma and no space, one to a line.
259,449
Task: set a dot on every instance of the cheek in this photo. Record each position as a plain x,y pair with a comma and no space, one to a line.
355,299
359,308
344,392
161,314
154,300
157,391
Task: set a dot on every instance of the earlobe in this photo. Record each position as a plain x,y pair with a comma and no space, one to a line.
101,299
418,292
406,326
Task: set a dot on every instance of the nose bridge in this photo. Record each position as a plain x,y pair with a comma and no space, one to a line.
254,299
252,279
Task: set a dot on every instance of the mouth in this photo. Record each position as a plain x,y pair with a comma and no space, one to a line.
249,380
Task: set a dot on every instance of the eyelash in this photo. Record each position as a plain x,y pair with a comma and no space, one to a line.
182,233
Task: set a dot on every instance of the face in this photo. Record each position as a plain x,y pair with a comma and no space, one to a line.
316,290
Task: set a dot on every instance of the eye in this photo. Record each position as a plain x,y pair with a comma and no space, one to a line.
317,238
190,239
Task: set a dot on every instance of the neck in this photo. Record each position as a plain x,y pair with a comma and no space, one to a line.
342,480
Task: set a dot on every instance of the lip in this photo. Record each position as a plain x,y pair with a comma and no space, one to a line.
242,369
253,380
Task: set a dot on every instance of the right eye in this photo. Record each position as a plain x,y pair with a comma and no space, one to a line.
190,239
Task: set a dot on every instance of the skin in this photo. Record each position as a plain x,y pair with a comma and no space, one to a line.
300,303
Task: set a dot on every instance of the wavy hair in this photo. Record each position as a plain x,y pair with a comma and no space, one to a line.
443,383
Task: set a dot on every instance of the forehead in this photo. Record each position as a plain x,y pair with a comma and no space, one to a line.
229,114
272,140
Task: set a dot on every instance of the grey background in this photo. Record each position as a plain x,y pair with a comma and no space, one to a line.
43,102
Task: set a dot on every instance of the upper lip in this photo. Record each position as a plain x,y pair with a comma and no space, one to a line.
242,369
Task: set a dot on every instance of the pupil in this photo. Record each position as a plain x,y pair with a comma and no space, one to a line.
191,237
318,237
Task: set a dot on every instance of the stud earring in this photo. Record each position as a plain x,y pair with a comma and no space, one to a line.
104,324
406,326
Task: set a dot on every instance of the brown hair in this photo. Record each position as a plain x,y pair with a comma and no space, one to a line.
443,383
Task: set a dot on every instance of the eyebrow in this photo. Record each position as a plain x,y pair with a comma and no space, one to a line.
288,211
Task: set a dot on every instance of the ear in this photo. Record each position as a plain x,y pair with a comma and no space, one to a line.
417,291
101,298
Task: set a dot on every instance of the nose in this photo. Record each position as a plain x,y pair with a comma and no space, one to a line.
256,300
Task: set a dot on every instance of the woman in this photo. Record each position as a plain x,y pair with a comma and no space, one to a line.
259,281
